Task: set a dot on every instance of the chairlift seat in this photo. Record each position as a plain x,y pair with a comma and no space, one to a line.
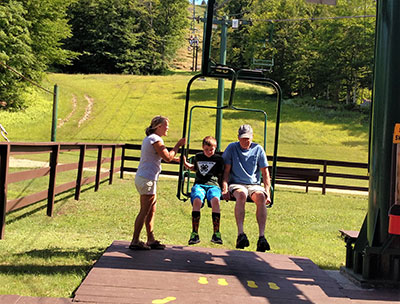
187,175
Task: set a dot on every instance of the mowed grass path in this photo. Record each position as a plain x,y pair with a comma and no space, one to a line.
43,256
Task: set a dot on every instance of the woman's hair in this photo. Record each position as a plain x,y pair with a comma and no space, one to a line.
209,141
155,123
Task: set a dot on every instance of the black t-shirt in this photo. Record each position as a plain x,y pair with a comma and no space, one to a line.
208,169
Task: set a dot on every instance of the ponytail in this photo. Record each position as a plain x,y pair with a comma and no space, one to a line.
155,123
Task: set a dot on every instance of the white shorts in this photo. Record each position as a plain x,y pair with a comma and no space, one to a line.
145,186
247,189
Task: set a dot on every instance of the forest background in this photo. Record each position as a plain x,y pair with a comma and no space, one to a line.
318,51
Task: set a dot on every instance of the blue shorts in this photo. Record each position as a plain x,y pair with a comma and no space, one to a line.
205,191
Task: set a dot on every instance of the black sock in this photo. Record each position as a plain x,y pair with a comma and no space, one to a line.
216,219
195,221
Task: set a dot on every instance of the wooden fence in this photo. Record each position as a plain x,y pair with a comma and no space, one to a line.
53,151
328,170
129,156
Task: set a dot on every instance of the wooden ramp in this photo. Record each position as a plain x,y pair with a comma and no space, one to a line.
181,274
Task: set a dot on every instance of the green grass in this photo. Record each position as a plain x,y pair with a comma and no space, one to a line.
43,256
124,105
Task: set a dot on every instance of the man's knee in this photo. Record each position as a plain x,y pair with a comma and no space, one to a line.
258,198
240,196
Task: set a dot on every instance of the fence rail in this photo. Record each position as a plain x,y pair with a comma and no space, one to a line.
54,167
129,156
324,165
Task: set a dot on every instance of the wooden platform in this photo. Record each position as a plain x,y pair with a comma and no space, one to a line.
181,274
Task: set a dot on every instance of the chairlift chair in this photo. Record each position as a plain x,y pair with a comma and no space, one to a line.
223,72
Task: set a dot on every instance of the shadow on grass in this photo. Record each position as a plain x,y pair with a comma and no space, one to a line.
68,194
89,254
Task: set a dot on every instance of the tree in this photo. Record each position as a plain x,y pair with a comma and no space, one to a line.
30,41
126,36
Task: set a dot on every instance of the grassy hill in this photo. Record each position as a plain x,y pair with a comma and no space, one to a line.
118,108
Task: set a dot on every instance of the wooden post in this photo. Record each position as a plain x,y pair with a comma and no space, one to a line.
121,174
4,155
112,165
52,179
98,167
80,171
324,178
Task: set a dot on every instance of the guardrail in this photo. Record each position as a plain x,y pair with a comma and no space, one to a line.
54,167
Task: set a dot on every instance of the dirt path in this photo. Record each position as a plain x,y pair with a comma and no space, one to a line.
88,110
66,119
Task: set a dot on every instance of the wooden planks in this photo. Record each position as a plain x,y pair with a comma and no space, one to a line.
182,274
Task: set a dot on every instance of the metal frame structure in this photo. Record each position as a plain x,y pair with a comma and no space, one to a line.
221,71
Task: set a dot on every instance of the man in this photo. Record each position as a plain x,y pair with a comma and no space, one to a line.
243,162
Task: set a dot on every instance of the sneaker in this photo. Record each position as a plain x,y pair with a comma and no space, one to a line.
194,238
242,241
262,244
216,238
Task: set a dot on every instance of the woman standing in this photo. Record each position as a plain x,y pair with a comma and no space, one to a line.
152,151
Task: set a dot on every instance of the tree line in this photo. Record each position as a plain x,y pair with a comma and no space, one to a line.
315,56
317,50
86,36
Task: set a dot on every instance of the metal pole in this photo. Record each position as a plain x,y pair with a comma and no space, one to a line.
385,113
54,120
221,83
207,37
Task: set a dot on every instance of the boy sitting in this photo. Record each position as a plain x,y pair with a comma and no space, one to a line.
209,168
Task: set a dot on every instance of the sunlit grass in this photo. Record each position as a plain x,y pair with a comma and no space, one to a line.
124,105
49,256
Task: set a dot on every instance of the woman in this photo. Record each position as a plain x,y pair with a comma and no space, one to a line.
152,151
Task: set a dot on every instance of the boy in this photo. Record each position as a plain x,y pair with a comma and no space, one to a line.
209,168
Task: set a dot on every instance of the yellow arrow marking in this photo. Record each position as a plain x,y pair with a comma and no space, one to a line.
273,286
252,284
222,282
203,280
165,300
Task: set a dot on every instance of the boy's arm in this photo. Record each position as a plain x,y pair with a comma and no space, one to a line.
187,164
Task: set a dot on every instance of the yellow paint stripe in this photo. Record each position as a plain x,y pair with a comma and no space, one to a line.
203,280
273,286
222,282
252,284
165,300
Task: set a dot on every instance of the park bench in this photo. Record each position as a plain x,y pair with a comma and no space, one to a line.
350,237
296,174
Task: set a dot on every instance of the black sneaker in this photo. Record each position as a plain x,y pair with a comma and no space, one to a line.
242,241
194,238
216,238
262,244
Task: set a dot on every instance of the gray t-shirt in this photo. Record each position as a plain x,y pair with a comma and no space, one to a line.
150,162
